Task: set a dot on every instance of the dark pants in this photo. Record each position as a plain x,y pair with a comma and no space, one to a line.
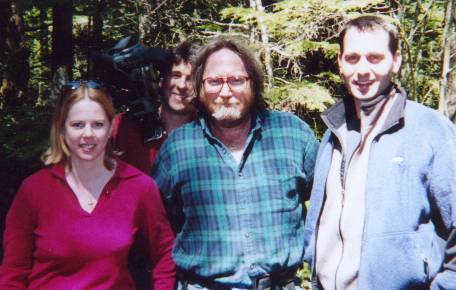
139,266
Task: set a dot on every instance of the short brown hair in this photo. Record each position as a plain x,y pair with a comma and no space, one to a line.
252,65
58,151
370,23
184,52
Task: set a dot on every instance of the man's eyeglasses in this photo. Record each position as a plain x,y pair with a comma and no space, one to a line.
213,85
74,85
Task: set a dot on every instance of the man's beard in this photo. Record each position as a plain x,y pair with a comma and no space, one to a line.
227,110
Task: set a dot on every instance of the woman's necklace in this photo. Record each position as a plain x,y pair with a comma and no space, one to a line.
92,201
81,191
88,193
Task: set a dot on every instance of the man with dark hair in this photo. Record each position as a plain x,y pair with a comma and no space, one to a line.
177,108
234,181
383,205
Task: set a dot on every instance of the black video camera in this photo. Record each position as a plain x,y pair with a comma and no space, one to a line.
131,72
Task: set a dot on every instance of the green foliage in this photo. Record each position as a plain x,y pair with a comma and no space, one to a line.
39,45
305,273
24,136
21,136
301,47
421,34
304,94
304,98
23,6
210,27
241,14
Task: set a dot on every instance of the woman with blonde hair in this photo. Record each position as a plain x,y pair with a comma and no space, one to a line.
71,224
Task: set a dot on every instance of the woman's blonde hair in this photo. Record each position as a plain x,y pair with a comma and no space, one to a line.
58,151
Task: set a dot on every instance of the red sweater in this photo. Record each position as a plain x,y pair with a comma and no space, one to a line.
128,140
50,242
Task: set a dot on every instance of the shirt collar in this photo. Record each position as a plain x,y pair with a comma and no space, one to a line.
123,170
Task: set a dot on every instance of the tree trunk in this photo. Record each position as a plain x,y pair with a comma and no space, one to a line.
44,53
14,84
96,35
451,88
146,23
447,39
44,34
62,37
5,10
258,5
253,29
97,28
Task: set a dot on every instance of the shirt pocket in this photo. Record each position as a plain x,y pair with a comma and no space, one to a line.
285,184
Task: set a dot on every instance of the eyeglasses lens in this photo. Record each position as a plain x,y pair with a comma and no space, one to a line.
235,83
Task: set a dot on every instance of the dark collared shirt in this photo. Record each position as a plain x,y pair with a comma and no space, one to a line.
236,221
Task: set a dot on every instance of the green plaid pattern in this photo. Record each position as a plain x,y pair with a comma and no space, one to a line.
238,221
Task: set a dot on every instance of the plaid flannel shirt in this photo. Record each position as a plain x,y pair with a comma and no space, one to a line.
238,221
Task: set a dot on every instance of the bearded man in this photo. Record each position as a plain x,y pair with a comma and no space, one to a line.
234,181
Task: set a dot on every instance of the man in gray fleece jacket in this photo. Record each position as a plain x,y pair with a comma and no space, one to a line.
383,205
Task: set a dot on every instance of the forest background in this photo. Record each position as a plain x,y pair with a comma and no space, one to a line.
45,43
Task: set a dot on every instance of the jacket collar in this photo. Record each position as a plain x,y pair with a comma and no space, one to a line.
343,112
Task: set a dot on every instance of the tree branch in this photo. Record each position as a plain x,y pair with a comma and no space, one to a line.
222,23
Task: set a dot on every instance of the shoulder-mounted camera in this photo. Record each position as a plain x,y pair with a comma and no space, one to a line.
132,73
